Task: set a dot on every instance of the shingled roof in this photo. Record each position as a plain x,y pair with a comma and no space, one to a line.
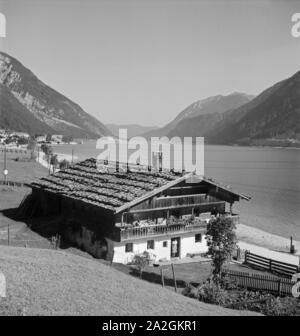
102,186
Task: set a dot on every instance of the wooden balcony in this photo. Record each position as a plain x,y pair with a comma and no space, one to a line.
178,227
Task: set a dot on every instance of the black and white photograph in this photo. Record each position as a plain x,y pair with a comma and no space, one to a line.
149,161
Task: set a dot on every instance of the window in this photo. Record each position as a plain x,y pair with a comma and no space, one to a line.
150,244
198,238
165,244
129,247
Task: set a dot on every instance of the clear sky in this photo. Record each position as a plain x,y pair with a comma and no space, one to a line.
144,61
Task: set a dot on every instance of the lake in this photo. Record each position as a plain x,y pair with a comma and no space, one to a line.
271,176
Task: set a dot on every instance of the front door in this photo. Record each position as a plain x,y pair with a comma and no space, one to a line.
175,247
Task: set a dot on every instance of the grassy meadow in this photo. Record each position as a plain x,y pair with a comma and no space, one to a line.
49,282
68,281
20,169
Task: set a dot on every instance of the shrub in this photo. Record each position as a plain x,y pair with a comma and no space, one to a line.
211,292
242,299
227,283
278,306
190,291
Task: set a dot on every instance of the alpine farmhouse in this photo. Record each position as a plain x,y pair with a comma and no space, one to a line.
115,211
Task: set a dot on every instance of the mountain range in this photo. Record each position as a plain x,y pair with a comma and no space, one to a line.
208,111
271,118
132,129
29,105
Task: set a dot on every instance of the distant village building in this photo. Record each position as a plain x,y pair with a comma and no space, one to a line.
115,214
21,135
12,138
3,135
41,138
57,138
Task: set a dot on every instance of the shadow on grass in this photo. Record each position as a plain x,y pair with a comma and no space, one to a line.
156,278
10,213
152,276
45,227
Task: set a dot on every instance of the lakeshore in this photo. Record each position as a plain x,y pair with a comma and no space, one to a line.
40,159
250,237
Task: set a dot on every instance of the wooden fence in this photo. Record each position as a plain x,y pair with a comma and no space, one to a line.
12,183
13,150
260,282
271,265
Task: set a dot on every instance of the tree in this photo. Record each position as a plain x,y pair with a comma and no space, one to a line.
140,261
54,161
64,164
32,148
48,137
22,141
46,149
67,138
221,241
32,144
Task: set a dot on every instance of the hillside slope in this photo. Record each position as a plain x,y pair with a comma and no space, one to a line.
56,112
275,113
49,282
271,118
13,115
196,126
212,108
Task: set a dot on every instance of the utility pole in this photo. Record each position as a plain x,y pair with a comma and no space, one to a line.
8,234
5,171
72,155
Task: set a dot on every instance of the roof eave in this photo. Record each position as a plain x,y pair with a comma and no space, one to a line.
243,196
151,193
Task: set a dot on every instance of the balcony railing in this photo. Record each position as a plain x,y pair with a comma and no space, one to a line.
171,227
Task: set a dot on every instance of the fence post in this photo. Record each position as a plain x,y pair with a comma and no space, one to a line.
174,278
279,287
162,276
58,241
